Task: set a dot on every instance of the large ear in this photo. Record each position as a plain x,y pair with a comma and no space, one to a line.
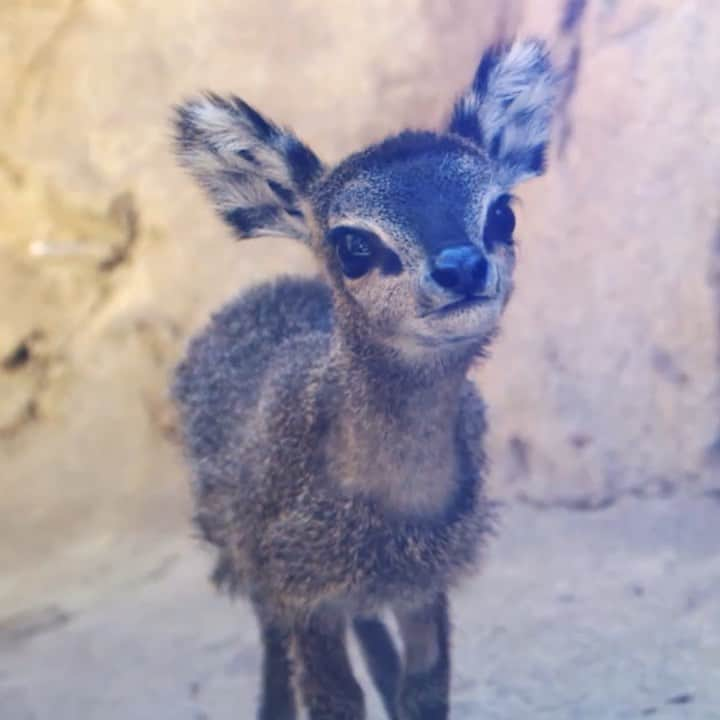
508,109
257,174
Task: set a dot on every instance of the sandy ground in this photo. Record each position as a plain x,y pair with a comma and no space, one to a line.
591,615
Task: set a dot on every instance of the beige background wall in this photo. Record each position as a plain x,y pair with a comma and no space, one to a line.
606,378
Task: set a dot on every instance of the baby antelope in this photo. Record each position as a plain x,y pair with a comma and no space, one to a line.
336,444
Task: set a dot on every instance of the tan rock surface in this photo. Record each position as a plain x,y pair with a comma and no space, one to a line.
606,378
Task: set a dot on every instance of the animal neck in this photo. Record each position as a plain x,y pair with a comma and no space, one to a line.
395,437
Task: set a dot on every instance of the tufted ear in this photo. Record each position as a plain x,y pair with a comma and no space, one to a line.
509,107
256,173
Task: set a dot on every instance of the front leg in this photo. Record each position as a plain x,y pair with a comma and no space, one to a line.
425,690
328,687
277,699
382,660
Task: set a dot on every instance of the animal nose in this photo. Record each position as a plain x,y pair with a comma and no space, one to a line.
462,269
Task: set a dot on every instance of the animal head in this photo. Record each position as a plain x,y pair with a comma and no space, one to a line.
416,232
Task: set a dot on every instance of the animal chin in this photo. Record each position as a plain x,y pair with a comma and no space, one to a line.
462,322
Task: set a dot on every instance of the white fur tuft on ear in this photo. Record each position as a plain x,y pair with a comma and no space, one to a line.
509,107
255,172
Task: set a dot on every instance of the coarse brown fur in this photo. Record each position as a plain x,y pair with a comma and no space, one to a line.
335,441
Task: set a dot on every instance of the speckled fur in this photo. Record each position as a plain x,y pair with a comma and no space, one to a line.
261,399
335,441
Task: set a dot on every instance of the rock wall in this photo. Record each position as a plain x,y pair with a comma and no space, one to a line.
606,378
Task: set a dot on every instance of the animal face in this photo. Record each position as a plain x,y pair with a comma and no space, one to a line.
418,234
415,232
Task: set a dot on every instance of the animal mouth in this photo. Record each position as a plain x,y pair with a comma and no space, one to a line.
458,306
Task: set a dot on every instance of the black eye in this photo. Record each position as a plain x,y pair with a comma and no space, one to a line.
500,223
356,250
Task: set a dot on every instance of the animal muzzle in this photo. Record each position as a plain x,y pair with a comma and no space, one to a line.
465,271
